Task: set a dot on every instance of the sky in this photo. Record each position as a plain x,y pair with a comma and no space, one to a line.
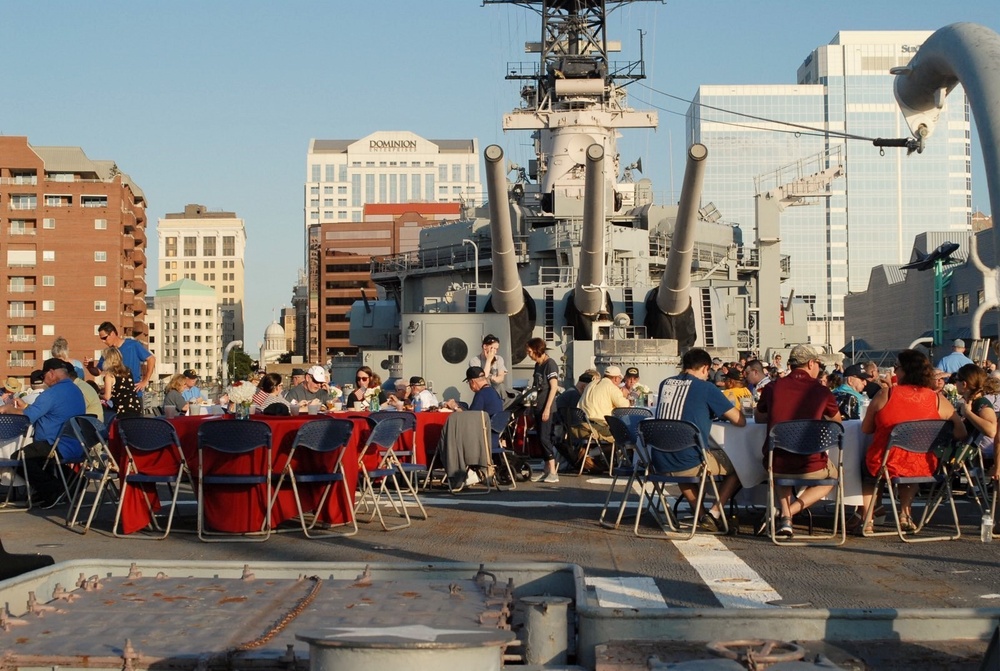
215,101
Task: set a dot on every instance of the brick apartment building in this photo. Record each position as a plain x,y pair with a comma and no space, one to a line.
340,263
73,234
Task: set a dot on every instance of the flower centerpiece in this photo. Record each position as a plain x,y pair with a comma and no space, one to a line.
641,393
371,397
951,393
241,395
335,392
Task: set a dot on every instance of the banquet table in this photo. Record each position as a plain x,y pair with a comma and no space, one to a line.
743,445
239,512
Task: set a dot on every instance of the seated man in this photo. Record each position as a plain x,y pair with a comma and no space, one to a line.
61,400
692,398
798,395
313,388
485,397
420,396
600,398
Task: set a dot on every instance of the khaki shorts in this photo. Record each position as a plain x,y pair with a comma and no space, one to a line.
827,473
716,460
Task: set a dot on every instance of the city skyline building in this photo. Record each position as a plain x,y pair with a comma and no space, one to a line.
884,199
72,233
189,329
208,247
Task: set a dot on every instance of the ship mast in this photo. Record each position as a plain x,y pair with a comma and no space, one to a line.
573,98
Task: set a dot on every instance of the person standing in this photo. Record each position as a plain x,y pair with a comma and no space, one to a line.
140,362
120,391
60,350
951,363
545,381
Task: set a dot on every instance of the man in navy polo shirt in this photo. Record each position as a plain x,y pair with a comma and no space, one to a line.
60,401
692,398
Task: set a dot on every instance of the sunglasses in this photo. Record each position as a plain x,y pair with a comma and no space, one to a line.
104,337
361,379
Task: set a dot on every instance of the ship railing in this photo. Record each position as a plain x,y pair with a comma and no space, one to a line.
445,256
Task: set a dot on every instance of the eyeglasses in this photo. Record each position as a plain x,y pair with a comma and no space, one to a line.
103,337
361,379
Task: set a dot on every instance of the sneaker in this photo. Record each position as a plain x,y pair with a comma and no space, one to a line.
471,478
785,529
708,523
550,478
540,477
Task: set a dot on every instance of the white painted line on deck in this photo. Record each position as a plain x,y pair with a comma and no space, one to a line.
731,580
620,592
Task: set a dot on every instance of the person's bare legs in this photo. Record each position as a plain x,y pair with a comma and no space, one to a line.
806,498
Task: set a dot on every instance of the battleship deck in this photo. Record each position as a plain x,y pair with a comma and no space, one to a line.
740,578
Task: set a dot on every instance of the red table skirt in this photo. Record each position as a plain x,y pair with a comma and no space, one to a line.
240,510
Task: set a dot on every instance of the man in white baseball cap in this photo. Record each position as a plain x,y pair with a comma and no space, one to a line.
314,387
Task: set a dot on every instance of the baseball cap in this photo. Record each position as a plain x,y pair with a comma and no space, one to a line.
416,380
473,372
857,370
612,371
802,354
734,374
317,373
298,371
190,374
585,377
717,361
37,377
958,343
490,339
53,364
631,371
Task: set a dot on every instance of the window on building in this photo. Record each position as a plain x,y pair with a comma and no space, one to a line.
229,245
443,173
187,325
48,280
170,247
48,306
315,172
456,173
329,172
100,224
93,201
208,246
48,329
100,281
48,223
186,312
23,201
48,255
190,246
100,256
100,306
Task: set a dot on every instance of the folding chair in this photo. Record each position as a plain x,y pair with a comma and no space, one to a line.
153,456
673,436
498,427
17,429
965,460
464,447
806,437
382,437
99,468
591,439
245,468
922,436
73,462
642,413
406,457
316,458
635,467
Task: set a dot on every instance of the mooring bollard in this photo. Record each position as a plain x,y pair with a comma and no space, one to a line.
547,629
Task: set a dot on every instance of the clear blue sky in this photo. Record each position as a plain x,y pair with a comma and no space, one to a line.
214,102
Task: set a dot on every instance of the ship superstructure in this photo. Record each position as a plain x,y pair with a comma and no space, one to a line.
570,247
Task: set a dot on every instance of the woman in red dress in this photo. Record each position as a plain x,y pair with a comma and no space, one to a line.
912,398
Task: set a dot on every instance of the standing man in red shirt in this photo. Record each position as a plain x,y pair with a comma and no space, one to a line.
798,395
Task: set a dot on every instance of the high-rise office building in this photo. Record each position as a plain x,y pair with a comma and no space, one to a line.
207,247
73,235
883,200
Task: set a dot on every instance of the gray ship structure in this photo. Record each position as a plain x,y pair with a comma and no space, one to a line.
573,250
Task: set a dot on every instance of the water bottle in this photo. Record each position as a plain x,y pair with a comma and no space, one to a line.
375,405
417,404
863,407
986,528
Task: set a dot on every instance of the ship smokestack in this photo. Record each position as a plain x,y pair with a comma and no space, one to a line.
507,296
589,294
673,317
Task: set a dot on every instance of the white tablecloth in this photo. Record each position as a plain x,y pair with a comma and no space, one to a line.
743,446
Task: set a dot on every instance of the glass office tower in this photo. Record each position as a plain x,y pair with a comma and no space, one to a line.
883,200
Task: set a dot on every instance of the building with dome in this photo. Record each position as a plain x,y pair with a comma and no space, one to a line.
274,345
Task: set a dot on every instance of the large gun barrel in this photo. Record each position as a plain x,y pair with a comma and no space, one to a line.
674,296
507,296
589,292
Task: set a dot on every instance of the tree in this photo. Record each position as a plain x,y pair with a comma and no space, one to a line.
240,365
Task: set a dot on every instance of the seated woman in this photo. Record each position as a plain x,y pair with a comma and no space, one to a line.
913,398
174,394
978,391
363,381
273,403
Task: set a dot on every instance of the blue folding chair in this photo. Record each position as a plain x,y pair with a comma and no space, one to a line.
17,429
805,437
673,436
383,436
634,465
246,467
405,460
100,468
153,456
923,436
316,459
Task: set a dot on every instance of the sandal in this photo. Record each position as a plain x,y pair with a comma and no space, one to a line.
906,523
